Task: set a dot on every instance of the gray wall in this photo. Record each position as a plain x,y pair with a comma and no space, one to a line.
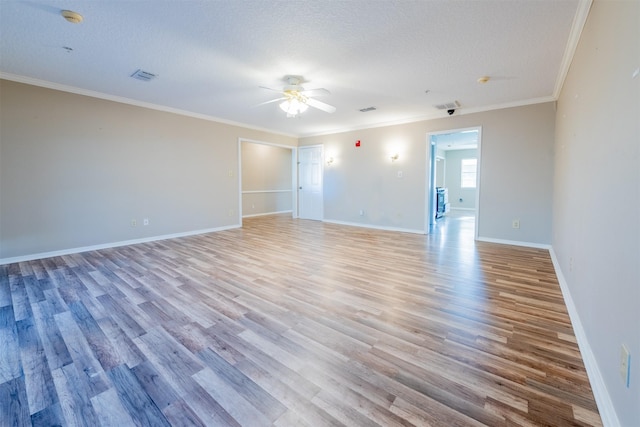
596,209
516,173
453,181
75,170
266,179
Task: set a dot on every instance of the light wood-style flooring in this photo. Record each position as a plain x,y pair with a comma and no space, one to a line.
289,322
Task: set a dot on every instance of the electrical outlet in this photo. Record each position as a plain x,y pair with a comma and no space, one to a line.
625,365
361,212
230,212
570,263
515,223
230,173
134,223
145,221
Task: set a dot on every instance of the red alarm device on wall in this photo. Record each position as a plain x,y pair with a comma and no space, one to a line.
358,143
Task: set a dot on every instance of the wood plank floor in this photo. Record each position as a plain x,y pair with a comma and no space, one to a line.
292,323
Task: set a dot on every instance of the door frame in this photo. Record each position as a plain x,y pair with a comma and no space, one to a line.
430,178
294,174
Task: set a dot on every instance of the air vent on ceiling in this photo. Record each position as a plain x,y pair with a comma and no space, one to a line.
145,76
365,110
448,106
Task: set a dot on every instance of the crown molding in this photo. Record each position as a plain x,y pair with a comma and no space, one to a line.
579,21
438,115
122,100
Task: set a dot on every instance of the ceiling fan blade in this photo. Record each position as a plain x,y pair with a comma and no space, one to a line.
321,105
315,92
272,89
269,102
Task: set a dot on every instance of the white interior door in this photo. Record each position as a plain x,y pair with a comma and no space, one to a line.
310,169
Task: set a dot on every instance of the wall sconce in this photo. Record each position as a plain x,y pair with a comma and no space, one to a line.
395,157
329,161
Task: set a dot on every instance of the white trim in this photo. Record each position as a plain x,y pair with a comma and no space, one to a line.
294,181
478,188
600,393
273,144
430,206
375,227
129,101
70,251
239,177
268,213
437,115
463,209
476,217
579,21
265,191
514,243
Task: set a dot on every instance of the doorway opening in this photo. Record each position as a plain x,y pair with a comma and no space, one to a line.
266,178
453,180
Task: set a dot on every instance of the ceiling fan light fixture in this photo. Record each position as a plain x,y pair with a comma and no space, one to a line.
295,100
293,107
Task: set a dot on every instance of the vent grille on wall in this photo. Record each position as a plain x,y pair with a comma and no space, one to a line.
448,106
364,110
145,76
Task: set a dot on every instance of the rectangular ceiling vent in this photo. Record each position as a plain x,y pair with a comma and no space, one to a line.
366,110
448,106
145,76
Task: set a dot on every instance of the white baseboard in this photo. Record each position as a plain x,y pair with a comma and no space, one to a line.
514,243
375,227
267,213
70,251
600,392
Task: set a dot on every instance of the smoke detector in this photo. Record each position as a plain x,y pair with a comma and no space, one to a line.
71,16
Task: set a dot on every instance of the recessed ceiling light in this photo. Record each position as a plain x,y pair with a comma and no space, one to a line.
71,16
483,79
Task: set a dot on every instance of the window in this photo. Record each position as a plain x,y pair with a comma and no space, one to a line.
468,173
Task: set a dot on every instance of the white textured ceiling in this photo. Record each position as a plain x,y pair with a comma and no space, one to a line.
211,56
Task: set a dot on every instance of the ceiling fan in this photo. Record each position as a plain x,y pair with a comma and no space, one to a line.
296,99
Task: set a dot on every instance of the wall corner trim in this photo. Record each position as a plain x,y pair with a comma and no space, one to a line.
600,392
